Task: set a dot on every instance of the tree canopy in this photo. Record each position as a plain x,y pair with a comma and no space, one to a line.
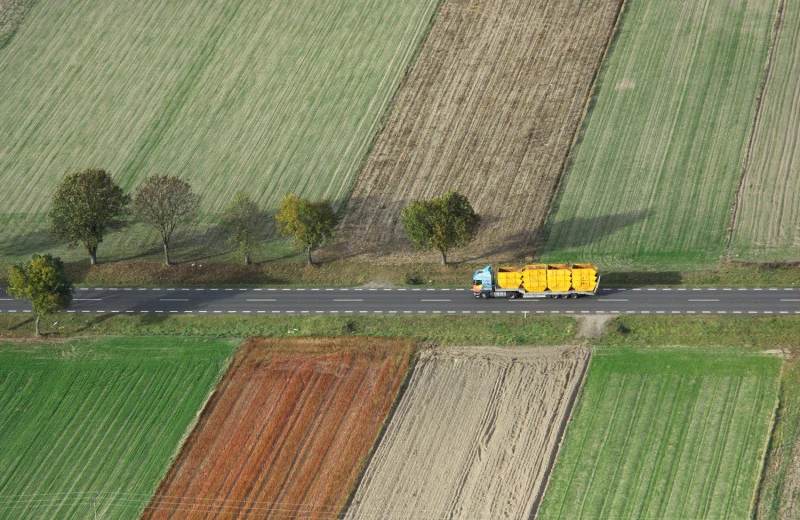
441,223
43,282
310,223
243,222
165,203
86,205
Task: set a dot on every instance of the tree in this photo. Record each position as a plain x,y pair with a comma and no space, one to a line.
86,205
165,203
441,223
242,221
310,223
43,282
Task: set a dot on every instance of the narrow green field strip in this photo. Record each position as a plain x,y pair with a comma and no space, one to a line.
652,179
271,97
767,219
665,433
100,416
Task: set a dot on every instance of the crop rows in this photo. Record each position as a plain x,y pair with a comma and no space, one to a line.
665,435
767,225
271,97
652,180
474,435
94,424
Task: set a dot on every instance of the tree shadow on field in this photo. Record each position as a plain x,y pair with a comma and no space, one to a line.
580,231
26,244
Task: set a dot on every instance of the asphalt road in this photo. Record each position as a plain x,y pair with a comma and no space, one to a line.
721,300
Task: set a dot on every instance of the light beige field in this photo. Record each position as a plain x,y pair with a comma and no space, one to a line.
474,435
490,108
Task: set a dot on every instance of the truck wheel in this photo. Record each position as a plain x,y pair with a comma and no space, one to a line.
573,295
484,295
513,296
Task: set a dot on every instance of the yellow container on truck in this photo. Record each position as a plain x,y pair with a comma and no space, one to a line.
584,277
559,277
534,277
509,277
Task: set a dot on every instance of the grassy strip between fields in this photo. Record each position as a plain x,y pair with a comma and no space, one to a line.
350,273
665,433
442,329
95,423
779,493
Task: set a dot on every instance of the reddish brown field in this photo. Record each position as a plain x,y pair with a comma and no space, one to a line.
287,432
490,108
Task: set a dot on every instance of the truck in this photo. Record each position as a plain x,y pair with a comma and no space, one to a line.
536,281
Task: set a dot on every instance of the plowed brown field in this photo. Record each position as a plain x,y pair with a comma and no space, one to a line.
287,432
474,436
490,108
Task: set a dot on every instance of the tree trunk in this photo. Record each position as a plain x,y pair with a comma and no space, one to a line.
37,325
308,252
93,256
166,252
247,259
444,257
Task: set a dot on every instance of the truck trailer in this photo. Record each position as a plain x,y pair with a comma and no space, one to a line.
536,281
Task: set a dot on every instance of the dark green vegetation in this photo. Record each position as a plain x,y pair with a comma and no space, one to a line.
43,282
665,433
86,205
309,223
441,223
97,419
652,180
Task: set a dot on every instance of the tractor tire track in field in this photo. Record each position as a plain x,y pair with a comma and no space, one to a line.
474,436
490,108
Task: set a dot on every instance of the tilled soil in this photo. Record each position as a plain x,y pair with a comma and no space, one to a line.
287,432
474,436
490,108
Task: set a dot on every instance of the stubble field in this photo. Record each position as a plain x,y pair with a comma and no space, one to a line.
90,426
271,97
767,224
490,108
287,431
474,435
666,433
652,180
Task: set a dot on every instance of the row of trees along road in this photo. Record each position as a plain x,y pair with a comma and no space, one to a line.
89,204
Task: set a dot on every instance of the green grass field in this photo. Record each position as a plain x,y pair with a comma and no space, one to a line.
767,226
97,419
652,179
271,97
665,433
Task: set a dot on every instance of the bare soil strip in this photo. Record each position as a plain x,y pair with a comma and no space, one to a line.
474,435
490,109
287,432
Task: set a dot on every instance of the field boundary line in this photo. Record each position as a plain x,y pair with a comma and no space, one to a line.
555,195
401,392
777,25
756,498
562,432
